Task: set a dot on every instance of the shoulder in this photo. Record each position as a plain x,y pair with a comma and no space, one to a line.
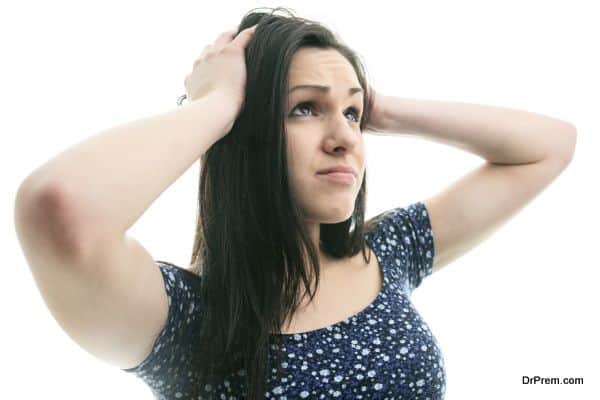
178,277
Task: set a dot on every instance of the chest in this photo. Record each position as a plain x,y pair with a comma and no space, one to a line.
343,292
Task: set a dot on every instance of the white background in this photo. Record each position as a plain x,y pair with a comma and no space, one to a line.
524,302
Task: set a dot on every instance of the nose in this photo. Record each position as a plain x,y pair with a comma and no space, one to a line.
342,133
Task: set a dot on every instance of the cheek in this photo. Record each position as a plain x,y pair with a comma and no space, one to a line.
301,152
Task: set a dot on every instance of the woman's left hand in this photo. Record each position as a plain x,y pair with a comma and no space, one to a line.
376,122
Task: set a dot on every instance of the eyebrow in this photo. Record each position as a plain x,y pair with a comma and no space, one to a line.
326,89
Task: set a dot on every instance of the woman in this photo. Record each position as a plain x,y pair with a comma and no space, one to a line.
284,297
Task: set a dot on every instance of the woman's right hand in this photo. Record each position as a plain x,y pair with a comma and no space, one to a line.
221,70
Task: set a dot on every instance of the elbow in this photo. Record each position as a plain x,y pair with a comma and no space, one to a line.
565,145
43,215
35,204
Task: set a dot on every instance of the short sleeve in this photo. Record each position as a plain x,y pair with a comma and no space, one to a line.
173,352
416,250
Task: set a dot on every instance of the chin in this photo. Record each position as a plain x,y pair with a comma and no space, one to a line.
336,217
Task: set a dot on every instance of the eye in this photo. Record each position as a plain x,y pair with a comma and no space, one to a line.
310,105
357,115
306,105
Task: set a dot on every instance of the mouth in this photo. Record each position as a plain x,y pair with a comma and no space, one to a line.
346,178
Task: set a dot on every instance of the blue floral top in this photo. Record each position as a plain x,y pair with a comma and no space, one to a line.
385,351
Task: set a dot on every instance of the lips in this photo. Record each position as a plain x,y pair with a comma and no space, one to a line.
338,168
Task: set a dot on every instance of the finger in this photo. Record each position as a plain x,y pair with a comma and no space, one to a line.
204,50
244,36
201,57
224,38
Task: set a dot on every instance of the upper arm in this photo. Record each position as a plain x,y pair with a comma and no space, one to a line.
113,303
473,207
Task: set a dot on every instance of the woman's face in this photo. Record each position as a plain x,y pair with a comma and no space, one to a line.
324,133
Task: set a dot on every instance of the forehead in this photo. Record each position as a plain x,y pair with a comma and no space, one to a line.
321,66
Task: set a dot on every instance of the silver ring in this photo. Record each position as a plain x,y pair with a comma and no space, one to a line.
181,98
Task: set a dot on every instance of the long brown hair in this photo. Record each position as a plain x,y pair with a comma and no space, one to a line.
251,247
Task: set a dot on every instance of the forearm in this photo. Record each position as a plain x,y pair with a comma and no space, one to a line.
105,183
500,135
